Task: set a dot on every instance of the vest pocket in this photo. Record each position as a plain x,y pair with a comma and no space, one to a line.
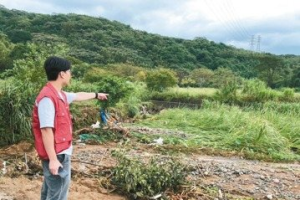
63,129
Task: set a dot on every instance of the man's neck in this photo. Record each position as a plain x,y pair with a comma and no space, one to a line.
56,85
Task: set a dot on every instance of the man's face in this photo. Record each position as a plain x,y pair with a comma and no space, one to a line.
66,76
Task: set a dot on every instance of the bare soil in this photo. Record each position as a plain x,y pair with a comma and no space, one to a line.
210,177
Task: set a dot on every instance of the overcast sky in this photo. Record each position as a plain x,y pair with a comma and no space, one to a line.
260,25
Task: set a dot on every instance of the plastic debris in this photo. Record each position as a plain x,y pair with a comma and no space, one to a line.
96,125
159,141
4,168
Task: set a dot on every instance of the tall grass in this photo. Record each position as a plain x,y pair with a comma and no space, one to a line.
256,132
194,91
184,95
16,102
251,91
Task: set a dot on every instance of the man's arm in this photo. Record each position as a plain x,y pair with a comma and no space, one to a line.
82,96
48,140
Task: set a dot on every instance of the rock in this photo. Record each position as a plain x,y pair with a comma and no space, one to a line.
276,180
269,196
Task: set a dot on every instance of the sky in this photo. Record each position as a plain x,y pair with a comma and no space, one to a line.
271,26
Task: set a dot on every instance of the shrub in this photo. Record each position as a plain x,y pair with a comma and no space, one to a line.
202,77
161,79
255,90
79,86
143,180
130,106
227,93
287,94
117,88
96,75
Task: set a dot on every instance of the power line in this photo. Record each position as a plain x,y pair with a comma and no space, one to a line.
230,23
231,10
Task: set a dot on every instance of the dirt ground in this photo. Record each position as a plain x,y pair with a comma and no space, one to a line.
210,177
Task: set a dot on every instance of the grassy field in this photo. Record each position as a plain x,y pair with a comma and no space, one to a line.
201,91
194,91
271,133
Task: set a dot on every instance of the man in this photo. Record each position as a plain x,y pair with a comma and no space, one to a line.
52,127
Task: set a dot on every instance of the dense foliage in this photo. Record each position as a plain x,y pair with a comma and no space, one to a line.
100,41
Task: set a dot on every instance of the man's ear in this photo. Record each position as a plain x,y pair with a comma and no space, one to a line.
61,74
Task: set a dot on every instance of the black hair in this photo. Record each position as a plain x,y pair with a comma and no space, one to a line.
54,65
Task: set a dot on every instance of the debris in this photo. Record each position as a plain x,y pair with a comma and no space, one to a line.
269,196
4,170
96,125
159,141
276,180
156,196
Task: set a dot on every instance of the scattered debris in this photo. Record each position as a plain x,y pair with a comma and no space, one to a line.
96,125
158,141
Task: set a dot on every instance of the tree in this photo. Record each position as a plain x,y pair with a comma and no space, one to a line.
296,78
270,69
202,77
223,77
19,36
161,79
30,69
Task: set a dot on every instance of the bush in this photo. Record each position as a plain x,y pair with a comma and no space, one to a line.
79,86
117,88
143,180
161,79
287,94
130,106
255,90
227,93
96,75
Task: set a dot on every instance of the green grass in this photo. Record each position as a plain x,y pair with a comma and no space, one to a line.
259,133
194,91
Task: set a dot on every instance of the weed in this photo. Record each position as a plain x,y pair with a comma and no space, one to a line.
144,180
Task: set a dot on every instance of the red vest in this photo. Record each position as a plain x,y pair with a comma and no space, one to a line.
62,122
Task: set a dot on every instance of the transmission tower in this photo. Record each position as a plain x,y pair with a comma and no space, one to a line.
258,44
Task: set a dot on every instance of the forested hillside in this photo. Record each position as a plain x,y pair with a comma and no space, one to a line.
101,42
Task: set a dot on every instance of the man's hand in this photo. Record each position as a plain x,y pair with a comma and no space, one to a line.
102,96
54,165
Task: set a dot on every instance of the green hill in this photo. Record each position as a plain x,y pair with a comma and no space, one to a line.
101,41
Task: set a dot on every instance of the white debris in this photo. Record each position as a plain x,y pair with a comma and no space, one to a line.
156,196
4,168
270,196
159,141
276,180
97,125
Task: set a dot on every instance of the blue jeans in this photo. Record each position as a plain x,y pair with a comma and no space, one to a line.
56,187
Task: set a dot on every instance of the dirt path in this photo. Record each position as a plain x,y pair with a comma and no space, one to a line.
218,177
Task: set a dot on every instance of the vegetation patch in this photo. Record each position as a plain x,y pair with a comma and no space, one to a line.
141,180
254,132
